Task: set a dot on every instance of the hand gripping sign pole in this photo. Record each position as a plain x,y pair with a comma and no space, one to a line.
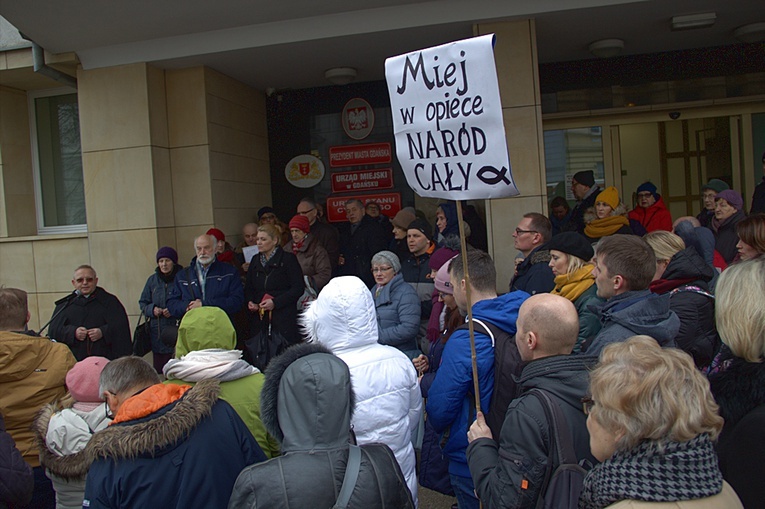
449,130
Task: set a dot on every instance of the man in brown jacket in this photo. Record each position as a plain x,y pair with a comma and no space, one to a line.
32,374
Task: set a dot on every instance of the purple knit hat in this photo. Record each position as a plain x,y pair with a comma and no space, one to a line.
732,197
440,256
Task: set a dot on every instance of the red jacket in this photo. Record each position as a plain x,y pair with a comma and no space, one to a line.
655,217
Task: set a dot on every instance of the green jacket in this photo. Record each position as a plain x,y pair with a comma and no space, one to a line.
208,328
589,321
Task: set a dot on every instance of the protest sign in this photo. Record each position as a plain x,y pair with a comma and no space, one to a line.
447,120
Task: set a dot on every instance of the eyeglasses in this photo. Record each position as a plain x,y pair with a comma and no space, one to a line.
375,270
587,404
268,216
441,295
518,231
644,195
305,212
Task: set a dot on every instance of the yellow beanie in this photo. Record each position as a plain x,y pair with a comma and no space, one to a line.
609,195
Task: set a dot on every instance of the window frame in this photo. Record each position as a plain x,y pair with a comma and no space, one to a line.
32,95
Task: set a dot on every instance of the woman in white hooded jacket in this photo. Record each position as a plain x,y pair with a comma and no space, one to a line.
388,400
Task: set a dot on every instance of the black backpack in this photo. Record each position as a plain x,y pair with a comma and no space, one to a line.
507,364
561,487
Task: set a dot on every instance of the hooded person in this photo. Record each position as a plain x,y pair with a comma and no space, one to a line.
62,432
447,223
308,404
388,400
206,350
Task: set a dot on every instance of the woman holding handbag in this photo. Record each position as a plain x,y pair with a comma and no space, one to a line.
153,303
273,286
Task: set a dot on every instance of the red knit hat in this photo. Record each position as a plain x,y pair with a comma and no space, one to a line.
300,222
219,235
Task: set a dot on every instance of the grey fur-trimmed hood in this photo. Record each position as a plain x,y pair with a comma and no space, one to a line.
127,440
317,400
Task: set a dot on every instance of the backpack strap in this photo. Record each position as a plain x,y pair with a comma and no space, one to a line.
561,442
351,476
486,326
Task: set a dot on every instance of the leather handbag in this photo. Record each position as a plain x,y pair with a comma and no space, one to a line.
142,337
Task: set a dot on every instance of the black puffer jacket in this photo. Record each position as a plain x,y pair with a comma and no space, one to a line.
726,237
307,404
740,392
686,272
16,481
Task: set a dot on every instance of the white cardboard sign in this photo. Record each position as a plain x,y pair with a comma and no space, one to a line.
447,120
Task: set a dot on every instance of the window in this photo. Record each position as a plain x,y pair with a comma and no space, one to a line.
569,151
57,159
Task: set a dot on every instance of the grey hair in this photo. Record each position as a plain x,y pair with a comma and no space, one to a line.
127,373
355,200
388,257
211,238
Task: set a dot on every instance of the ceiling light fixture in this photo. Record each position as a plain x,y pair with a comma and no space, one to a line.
690,21
606,48
754,32
340,75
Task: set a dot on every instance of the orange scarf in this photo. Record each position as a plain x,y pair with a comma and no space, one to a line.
598,228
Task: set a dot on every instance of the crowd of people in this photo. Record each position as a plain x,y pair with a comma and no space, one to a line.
305,366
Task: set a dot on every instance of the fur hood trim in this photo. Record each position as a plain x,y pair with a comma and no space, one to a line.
73,466
270,393
126,440
739,389
590,214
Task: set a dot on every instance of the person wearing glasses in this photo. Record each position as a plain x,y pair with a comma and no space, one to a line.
652,423
532,273
651,211
90,320
397,305
509,470
325,234
267,215
585,190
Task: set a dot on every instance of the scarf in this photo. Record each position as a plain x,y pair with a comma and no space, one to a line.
572,286
653,472
169,278
662,286
226,256
264,259
216,363
297,245
598,228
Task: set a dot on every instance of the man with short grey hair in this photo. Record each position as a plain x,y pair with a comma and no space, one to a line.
168,446
360,238
206,282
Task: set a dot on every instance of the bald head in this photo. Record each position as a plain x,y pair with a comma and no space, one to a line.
547,325
250,233
695,222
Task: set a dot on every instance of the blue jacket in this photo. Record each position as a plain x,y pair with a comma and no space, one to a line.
398,314
155,293
634,313
450,398
187,454
223,289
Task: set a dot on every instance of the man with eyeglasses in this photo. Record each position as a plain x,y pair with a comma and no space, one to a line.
90,320
326,235
509,471
168,445
360,238
533,274
585,191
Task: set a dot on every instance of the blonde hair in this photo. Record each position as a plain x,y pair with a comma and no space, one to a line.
665,245
646,392
739,309
272,231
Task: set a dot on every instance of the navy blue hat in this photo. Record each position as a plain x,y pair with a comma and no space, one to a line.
167,252
649,187
264,210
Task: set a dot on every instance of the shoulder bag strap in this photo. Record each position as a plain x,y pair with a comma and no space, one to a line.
351,476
